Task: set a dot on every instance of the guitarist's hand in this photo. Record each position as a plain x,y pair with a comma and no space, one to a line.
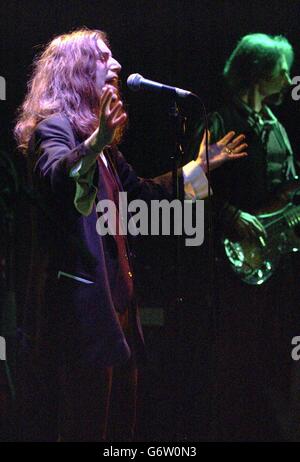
247,226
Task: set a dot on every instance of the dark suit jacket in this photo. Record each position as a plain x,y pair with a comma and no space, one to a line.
64,315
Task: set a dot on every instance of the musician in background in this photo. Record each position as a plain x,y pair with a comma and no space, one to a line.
255,322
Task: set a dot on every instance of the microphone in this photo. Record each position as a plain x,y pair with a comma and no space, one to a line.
136,82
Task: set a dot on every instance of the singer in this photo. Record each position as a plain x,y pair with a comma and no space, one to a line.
82,338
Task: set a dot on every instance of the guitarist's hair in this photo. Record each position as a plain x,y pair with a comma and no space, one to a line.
254,58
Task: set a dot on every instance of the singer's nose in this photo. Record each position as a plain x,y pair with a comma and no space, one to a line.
115,65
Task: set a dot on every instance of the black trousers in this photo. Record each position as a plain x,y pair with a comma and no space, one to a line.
77,403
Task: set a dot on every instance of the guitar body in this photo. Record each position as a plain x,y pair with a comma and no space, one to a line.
255,260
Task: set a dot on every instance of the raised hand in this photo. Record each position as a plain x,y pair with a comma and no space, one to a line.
230,147
111,117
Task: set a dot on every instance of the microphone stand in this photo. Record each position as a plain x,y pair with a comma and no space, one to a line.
177,314
177,128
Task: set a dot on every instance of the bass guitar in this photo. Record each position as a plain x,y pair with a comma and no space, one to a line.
255,260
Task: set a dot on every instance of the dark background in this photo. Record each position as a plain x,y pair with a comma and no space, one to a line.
183,43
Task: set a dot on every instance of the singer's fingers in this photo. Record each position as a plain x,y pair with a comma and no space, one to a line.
236,141
114,101
120,120
226,139
104,94
237,155
105,99
116,115
116,108
107,107
240,148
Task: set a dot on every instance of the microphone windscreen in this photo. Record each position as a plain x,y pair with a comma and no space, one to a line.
134,82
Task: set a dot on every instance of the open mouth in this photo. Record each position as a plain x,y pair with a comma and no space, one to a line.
112,82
